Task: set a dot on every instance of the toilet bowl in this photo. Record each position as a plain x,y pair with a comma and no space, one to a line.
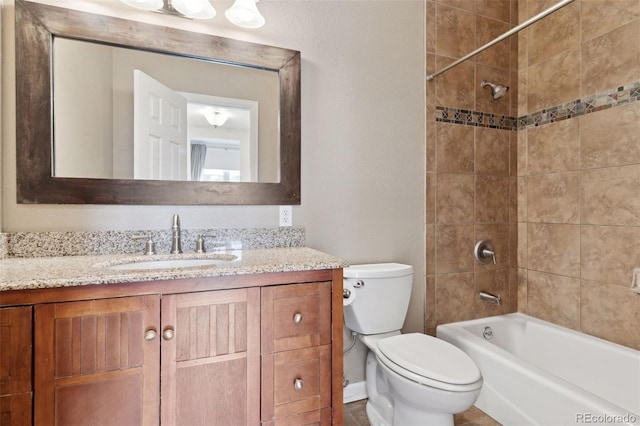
411,379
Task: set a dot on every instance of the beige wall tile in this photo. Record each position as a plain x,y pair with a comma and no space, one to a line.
454,148
431,28
522,245
431,249
610,196
553,147
492,151
513,154
431,198
512,305
492,199
455,298
455,31
554,198
513,245
554,298
454,244
496,9
602,16
498,55
609,253
610,137
495,282
454,198
611,313
430,307
522,290
513,200
431,137
498,234
554,81
455,88
554,248
469,5
522,153
611,59
554,34
522,199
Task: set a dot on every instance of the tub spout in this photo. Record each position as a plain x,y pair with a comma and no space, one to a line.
491,298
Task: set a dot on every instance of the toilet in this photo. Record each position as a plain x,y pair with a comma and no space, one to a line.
411,379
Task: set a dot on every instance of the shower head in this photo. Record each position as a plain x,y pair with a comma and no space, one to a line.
498,90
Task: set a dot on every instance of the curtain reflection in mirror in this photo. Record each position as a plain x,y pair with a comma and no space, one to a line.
198,157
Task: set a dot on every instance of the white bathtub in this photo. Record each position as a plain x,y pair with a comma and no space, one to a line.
538,373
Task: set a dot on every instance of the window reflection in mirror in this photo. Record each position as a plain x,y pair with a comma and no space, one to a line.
106,128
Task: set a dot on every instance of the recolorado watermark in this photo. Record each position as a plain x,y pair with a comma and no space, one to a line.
590,418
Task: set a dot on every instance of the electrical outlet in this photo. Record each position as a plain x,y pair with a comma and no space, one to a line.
286,216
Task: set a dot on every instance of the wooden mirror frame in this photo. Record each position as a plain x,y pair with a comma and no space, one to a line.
37,24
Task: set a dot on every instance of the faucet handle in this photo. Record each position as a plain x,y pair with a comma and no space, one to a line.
200,242
484,253
150,246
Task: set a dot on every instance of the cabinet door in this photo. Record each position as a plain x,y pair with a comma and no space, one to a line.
97,362
211,358
15,366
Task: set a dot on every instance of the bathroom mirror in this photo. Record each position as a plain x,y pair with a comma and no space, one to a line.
39,138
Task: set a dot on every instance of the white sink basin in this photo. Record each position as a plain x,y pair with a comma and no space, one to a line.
171,264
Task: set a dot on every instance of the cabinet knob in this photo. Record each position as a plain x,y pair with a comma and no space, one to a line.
168,333
150,334
297,318
298,384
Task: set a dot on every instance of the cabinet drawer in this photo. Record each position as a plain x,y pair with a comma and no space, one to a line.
295,382
317,417
296,316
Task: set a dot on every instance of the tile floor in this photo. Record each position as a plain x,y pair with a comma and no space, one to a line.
355,415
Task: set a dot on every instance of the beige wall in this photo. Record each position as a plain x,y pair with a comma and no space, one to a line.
363,136
578,179
471,170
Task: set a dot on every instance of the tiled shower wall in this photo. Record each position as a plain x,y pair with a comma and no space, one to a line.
471,169
579,178
573,229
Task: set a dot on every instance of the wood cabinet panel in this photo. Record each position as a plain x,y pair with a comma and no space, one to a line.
296,316
15,350
95,363
15,410
215,349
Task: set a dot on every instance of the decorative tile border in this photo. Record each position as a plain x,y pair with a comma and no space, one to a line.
46,244
619,96
474,118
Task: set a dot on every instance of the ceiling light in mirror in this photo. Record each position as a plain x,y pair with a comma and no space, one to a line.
245,14
215,118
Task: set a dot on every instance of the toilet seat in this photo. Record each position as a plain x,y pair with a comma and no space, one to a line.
429,361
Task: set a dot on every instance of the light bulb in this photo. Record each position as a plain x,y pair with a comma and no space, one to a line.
245,13
196,9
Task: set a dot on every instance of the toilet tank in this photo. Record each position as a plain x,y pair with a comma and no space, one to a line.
382,293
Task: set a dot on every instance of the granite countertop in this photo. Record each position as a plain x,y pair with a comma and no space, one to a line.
66,271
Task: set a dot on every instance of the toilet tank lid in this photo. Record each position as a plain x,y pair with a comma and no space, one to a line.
378,270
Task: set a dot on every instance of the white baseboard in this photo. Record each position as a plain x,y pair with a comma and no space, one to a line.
354,392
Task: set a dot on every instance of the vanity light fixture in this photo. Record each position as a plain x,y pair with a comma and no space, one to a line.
145,4
194,9
215,118
245,14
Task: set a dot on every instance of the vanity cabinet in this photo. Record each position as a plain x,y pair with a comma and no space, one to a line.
263,349
296,354
97,362
15,366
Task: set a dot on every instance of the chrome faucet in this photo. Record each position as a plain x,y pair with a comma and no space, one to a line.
176,240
